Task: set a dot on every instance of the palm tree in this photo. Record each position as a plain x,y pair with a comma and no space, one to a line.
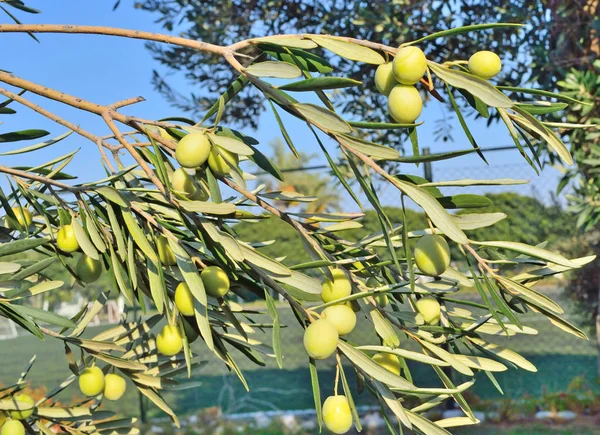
308,184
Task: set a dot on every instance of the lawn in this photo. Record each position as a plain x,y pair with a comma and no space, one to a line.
558,356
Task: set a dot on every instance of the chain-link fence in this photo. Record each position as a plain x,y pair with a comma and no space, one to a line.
558,356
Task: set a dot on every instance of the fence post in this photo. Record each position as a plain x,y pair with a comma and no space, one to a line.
142,408
427,172
428,175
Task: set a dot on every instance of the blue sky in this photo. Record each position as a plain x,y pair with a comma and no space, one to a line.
107,69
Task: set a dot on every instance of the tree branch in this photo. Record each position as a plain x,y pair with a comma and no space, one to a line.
41,179
111,31
55,118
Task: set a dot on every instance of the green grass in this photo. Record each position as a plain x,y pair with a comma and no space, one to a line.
558,356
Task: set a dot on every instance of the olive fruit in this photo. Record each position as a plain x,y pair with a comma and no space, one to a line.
215,280
432,255
388,361
193,150
25,414
430,309
405,104
485,64
320,339
114,386
184,299
336,414
13,427
165,134
217,161
339,288
165,253
91,381
65,239
341,316
169,341
191,333
88,270
24,219
409,65
202,190
380,298
384,78
183,182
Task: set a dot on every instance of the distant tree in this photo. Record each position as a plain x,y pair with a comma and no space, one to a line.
528,220
319,185
163,232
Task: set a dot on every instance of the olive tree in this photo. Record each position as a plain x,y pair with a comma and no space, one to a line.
553,54
163,230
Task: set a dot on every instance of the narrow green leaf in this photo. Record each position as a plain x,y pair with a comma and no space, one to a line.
434,210
371,149
138,235
18,246
464,201
192,278
38,146
557,96
323,118
208,207
16,136
542,107
287,41
314,380
46,316
286,136
280,70
459,30
349,50
235,146
532,251
320,83
231,92
384,329
529,294
434,157
276,335
464,125
82,238
425,425
476,86
393,403
9,268
112,195
446,356
506,354
373,369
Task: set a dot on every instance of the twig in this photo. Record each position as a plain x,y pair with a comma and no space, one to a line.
275,286
175,40
55,118
127,102
108,118
282,215
111,31
41,179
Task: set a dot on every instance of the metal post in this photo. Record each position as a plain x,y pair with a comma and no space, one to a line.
427,172
142,409
428,175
